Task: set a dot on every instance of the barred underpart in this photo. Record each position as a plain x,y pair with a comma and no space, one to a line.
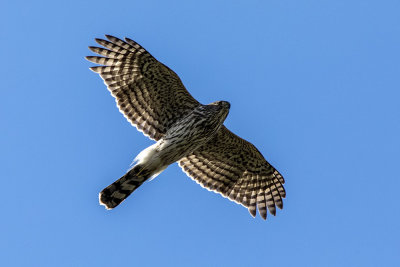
115,193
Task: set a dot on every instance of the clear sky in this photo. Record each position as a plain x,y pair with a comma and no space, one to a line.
313,84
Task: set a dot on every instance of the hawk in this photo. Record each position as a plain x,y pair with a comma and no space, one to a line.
153,99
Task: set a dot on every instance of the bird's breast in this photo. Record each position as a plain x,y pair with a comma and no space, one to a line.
186,135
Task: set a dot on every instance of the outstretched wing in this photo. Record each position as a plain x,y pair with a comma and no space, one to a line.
233,167
149,94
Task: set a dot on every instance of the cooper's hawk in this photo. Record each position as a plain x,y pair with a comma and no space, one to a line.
153,99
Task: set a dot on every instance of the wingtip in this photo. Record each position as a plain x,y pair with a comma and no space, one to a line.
263,214
252,212
89,58
94,69
99,41
93,48
129,41
92,59
110,37
272,210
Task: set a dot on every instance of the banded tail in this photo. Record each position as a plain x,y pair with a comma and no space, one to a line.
115,193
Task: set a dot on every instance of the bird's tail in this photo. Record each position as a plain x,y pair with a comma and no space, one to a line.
115,193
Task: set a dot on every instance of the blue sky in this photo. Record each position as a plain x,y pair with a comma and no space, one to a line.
313,84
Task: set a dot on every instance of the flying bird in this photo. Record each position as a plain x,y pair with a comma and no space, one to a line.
153,99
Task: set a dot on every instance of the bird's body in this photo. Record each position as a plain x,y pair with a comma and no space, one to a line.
192,131
152,98
184,136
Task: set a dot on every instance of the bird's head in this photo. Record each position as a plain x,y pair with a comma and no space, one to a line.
222,107
221,104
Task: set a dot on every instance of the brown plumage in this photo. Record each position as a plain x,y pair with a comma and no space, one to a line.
152,97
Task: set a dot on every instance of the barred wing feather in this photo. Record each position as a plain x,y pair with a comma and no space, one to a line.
233,167
149,94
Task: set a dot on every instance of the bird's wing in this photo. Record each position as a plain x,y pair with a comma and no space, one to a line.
233,167
149,94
